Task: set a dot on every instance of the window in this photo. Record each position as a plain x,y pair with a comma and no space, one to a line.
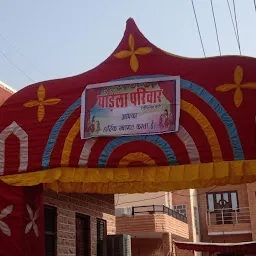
196,220
220,200
50,230
83,235
101,235
182,209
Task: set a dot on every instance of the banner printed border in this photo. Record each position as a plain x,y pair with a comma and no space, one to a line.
131,81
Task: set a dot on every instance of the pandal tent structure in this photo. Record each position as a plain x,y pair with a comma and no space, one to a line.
159,122
234,248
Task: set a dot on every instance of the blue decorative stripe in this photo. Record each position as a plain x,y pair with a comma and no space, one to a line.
216,107
194,88
55,132
155,139
222,114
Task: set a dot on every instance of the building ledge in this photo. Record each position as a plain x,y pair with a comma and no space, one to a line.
229,233
148,223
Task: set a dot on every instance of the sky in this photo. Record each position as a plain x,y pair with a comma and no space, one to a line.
58,38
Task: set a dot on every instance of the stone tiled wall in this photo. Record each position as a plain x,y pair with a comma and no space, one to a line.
147,247
95,206
251,191
243,202
159,223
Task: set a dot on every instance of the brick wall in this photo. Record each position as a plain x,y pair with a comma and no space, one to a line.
230,227
231,238
165,223
151,223
95,206
147,247
128,200
251,190
182,197
242,200
137,224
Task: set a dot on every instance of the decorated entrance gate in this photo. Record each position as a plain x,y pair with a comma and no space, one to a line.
144,120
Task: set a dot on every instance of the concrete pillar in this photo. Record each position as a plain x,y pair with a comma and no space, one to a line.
251,191
167,244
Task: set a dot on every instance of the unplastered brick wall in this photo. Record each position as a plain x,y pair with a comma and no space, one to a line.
68,204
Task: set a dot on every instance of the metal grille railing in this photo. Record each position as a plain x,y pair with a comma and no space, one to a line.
228,216
158,209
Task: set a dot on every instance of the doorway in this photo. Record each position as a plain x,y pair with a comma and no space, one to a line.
83,235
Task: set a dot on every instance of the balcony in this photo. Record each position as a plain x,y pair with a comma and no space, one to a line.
228,221
151,221
158,209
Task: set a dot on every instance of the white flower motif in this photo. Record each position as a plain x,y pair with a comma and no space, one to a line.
3,226
33,218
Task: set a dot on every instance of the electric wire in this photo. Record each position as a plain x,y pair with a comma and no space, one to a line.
233,23
14,65
198,28
216,29
232,20
136,201
147,199
21,54
237,31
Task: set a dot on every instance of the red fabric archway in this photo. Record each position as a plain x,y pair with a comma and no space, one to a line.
247,247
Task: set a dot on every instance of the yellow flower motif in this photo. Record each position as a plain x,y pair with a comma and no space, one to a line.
134,63
238,78
41,102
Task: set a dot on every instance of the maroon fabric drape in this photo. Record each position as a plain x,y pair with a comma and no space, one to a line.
21,221
248,247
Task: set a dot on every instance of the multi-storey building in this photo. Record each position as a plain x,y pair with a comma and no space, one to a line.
5,92
151,221
227,214
216,215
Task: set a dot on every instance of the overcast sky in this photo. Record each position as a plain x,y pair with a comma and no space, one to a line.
58,38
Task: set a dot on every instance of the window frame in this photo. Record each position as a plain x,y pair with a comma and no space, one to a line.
105,232
222,192
196,220
52,233
86,218
177,210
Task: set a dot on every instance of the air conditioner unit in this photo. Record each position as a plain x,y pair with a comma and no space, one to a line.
124,211
119,245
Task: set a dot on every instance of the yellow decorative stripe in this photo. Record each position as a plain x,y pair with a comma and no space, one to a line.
186,106
69,143
136,157
206,127
139,179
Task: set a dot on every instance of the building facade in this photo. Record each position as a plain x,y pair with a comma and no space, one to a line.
5,92
77,224
218,215
152,223
227,214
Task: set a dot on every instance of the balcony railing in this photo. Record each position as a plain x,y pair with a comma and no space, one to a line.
158,209
228,216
